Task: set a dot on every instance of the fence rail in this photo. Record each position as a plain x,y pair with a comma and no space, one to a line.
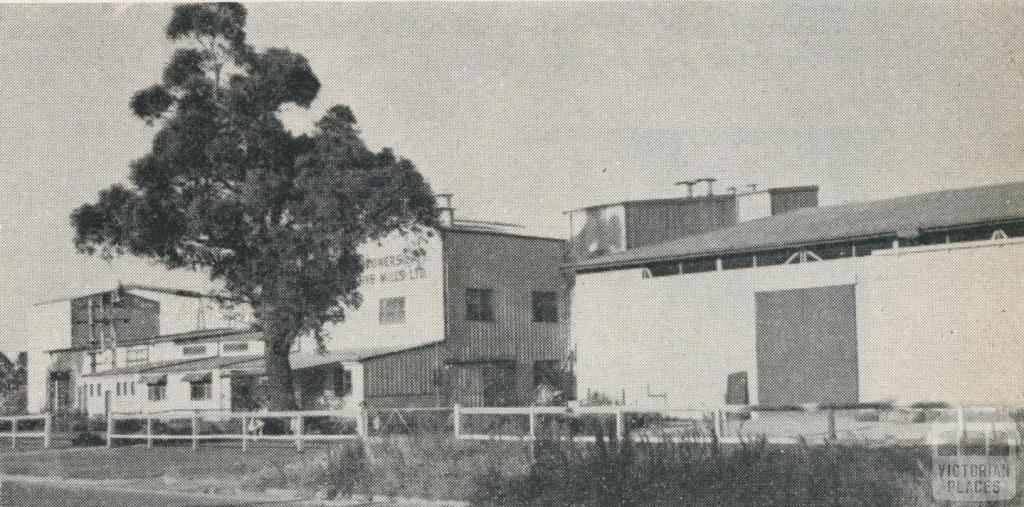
732,424
14,433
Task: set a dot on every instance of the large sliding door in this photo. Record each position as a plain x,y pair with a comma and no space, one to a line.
807,346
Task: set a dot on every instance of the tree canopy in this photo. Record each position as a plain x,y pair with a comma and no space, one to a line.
227,188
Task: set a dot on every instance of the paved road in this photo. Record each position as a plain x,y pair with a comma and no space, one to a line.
29,495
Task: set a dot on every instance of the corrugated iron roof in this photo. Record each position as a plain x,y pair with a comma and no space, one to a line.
922,212
254,362
197,335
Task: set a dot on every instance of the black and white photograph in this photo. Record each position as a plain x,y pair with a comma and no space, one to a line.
512,253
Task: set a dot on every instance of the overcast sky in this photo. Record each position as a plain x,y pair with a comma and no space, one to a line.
524,111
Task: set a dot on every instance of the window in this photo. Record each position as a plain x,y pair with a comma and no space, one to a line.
202,390
547,372
480,304
193,350
342,381
132,388
157,392
392,310
136,355
118,389
92,362
700,265
236,347
545,307
664,268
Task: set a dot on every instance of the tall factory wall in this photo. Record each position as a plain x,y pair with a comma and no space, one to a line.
399,266
49,327
513,268
939,323
947,322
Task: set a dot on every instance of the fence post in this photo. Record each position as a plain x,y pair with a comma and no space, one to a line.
46,430
457,420
195,430
362,422
620,424
110,429
533,423
831,423
245,433
149,431
298,431
718,425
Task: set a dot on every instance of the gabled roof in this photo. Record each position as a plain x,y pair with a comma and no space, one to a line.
863,220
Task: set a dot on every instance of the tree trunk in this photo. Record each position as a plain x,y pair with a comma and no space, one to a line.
280,393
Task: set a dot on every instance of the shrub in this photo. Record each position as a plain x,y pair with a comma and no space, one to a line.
86,439
631,472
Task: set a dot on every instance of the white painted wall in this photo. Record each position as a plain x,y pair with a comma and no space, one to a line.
179,395
942,324
390,273
752,206
179,314
49,328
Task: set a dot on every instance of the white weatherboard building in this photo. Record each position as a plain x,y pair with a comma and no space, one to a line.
470,313
913,299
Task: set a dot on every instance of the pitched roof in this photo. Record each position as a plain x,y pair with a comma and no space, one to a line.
871,219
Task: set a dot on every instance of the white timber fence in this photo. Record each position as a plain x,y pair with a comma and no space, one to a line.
14,428
733,424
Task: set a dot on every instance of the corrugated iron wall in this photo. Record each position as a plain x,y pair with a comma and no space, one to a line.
513,267
405,379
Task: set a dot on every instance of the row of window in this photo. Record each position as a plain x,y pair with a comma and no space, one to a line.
479,307
823,252
201,390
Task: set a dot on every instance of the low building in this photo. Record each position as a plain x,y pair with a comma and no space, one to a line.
912,299
74,336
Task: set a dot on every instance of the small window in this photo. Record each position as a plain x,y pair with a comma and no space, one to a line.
480,304
738,262
202,390
547,372
545,307
118,389
663,268
132,388
700,265
92,362
193,350
137,355
236,347
392,310
157,392
342,381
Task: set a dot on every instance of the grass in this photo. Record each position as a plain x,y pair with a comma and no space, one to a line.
624,473
126,463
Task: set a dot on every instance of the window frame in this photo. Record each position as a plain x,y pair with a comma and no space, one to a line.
544,306
156,392
203,388
390,315
480,304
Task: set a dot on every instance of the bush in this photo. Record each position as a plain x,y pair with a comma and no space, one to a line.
85,439
628,472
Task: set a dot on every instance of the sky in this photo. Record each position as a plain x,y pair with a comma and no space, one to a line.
526,110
